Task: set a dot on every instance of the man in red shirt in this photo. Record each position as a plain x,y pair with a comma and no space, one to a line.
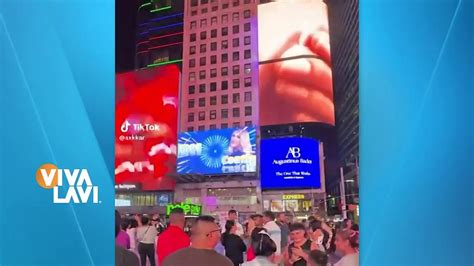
173,238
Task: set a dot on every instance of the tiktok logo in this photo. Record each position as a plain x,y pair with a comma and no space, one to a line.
294,151
125,125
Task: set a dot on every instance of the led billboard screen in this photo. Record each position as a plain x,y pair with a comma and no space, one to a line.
289,163
217,151
146,127
294,63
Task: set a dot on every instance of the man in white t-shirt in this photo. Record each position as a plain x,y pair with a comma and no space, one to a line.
232,216
272,229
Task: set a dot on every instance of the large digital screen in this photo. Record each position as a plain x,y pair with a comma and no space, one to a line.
289,163
222,151
294,63
146,127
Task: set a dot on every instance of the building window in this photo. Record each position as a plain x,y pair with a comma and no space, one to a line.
194,13
202,116
235,112
235,29
248,96
248,82
214,8
213,59
235,56
224,71
246,1
213,126
236,97
224,113
202,48
224,31
247,13
247,27
203,35
202,61
190,129
247,68
236,70
190,117
213,20
192,49
213,46
224,99
194,2
213,85
213,73
224,126
193,24
192,63
191,103
235,3
224,58
212,115
248,110
247,40
235,83
192,37
192,76
213,33
247,54
248,123
225,44
224,85
225,18
204,11
202,74
224,6
202,88
236,125
203,23
235,42
203,2
235,16
191,89
201,128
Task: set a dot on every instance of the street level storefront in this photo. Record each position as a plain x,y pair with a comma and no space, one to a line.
130,199
298,204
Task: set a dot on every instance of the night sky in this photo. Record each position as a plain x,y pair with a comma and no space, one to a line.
125,28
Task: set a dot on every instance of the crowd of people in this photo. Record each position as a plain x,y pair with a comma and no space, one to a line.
263,240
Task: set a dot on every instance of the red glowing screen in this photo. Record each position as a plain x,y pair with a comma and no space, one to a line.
146,112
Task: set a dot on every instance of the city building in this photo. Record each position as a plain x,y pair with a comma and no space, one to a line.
344,28
159,37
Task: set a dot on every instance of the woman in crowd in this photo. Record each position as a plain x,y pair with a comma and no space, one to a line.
233,244
317,235
122,239
347,242
297,253
146,235
264,249
132,233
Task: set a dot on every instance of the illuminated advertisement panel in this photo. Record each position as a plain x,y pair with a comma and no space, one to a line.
290,163
146,127
294,63
217,151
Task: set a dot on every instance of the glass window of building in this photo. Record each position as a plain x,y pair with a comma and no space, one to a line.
224,58
194,2
235,16
213,59
202,61
247,68
247,54
190,129
224,31
224,85
224,113
192,37
203,35
213,86
235,83
192,62
213,100
202,48
225,6
224,44
201,128
192,49
224,125
247,40
235,42
202,102
235,29
236,70
192,76
247,27
235,3
248,110
235,56
202,88
213,33
225,18
212,126
213,73
248,123
236,97
212,114
202,74
204,10
236,125
248,82
191,89
193,24
246,1
248,96
224,71
190,117
224,99
213,46
202,116
203,23
194,12
214,8
247,13
203,2
191,103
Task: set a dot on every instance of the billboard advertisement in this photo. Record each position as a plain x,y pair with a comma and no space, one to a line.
290,163
294,63
222,151
146,127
